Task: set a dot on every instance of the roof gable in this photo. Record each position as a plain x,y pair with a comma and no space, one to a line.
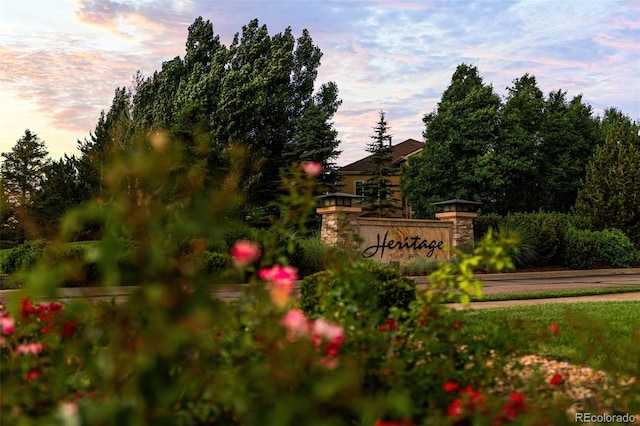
399,154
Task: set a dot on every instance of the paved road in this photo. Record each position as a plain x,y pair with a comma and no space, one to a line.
494,284
523,282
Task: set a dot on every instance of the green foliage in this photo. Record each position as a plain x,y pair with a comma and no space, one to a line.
542,235
588,249
315,255
23,256
23,167
615,249
581,248
419,266
21,173
515,151
366,288
215,262
610,193
569,135
257,93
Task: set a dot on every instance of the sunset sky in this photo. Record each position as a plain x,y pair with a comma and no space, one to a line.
61,60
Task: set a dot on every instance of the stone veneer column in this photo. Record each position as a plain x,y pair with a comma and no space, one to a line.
462,227
338,224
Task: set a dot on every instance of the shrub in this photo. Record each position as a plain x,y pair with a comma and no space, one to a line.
215,262
581,248
365,288
419,266
562,239
615,249
314,255
24,256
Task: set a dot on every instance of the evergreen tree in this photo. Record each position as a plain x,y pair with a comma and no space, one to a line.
378,190
21,174
24,166
610,193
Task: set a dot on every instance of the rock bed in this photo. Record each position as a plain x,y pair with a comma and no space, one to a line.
584,387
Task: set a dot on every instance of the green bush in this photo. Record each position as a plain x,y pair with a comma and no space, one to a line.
314,255
366,288
581,248
561,239
419,266
215,262
23,256
615,249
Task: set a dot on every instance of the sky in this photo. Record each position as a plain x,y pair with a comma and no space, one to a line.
61,60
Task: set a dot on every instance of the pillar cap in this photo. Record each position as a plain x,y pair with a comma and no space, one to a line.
458,205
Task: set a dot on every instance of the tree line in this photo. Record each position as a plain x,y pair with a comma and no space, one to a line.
526,153
258,97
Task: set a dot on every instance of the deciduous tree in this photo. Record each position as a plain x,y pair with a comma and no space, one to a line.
457,158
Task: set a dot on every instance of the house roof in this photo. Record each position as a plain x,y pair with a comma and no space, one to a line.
399,154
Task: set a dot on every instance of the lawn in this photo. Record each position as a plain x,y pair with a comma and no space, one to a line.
603,335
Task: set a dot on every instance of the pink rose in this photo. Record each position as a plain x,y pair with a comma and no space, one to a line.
280,276
312,168
245,252
7,325
327,331
29,348
296,323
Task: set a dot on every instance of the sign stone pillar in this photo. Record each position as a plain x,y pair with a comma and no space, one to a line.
461,214
339,219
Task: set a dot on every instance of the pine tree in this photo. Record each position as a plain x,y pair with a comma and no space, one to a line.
379,190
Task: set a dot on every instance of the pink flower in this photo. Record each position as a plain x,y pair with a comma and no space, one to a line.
245,252
327,331
556,379
554,328
296,324
312,168
7,325
29,348
280,276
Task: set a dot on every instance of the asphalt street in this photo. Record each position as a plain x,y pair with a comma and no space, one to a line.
519,282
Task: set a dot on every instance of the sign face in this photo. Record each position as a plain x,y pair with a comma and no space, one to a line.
401,240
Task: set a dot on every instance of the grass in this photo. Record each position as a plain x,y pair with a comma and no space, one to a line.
603,335
552,294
